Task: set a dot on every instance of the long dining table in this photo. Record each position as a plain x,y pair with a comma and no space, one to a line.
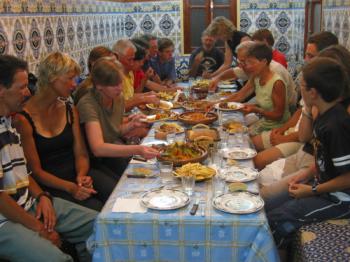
127,231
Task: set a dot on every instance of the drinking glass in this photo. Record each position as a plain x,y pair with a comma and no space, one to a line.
218,185
188,184
170,137
166,172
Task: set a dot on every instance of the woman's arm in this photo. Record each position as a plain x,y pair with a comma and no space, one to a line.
80,153
101,149
227,62
306,123
279,102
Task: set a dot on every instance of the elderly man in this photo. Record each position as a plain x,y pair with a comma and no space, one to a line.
125,51
207,58
32,223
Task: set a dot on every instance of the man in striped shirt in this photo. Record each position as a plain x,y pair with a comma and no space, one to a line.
32,223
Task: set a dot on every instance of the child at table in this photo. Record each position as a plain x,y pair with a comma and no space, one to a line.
322,191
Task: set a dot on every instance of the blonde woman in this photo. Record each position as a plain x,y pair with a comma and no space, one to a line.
51,137
223,29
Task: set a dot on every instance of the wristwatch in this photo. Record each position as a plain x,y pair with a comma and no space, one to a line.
314,188
45,194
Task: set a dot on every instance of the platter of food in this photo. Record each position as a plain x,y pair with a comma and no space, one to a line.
228,106
181,153
198,117
196,105
166,95
233,127
199,171
161,116
202,130
163,105
170,128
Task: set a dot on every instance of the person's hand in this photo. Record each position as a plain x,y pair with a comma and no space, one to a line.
198,58
206,74
52,236
213,84
276,138
148,152
45,210
302,177
85,181
249,108
300,190
82,193
151,99
149,73
135,121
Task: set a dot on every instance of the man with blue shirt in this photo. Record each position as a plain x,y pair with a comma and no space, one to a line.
164,63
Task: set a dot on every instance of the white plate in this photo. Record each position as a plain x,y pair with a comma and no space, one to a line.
239,153
163,105
238,203
240,174
227,86
164,199
155,142
236,105
152,119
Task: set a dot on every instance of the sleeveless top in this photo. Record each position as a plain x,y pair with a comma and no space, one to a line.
264,101
56,153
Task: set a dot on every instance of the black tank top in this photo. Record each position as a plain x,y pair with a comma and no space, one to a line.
56,153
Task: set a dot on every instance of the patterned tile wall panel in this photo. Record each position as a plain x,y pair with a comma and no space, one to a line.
32,29
284,18
336,18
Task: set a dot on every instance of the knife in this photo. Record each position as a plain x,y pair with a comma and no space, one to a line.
194,207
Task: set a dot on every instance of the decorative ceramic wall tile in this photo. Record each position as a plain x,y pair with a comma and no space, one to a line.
285,19
336,15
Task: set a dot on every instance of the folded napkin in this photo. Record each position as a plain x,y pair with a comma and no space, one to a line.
128,205
148,162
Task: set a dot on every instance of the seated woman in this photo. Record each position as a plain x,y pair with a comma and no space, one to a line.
95,54
52,141
270,90
101,113
223,29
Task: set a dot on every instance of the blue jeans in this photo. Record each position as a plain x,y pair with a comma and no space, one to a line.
74,224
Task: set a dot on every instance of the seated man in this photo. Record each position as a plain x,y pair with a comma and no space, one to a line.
31,222
264,35
125,51
205,59
164,63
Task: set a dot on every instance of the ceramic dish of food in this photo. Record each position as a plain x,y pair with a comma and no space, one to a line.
202,130
195,105
233,127
163,105
199,171
228,106
170,128
181,153
162,116
164,95
197,117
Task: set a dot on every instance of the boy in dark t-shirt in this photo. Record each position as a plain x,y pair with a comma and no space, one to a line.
322,191
206,58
